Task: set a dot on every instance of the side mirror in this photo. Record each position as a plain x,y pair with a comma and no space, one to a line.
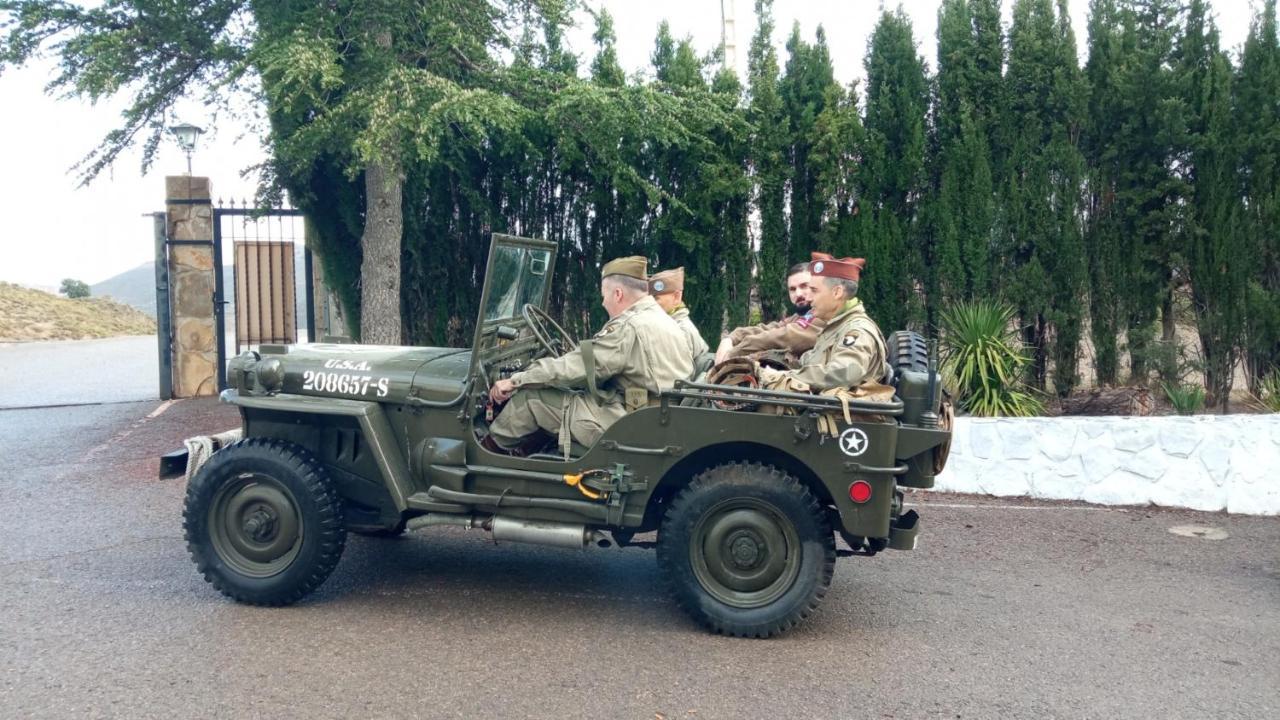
538,264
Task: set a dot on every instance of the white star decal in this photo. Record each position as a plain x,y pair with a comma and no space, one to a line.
853,441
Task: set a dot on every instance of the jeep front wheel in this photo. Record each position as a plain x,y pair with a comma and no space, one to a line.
263,522
746,550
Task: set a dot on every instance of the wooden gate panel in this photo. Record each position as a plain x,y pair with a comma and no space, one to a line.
265,292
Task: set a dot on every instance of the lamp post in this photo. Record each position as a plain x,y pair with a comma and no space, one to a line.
187,135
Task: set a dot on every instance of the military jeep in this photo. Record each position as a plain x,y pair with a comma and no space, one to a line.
378,440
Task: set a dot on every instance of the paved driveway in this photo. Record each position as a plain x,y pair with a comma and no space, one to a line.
1007,610
72,372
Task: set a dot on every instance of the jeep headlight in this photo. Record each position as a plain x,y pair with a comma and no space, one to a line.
270,374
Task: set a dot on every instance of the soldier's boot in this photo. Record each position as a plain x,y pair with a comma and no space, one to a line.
530,445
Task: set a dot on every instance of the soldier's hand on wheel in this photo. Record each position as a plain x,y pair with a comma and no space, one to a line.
502,390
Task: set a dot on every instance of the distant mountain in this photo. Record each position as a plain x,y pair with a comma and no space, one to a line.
137,287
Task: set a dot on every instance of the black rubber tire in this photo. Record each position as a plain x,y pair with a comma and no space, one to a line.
290,483
767,492
908,351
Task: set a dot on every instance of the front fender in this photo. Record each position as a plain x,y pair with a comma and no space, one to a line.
371,417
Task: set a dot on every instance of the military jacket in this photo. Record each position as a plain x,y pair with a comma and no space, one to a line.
849,351
795,334
641,348
697,345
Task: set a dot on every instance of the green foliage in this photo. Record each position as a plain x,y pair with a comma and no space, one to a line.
768,159
74,288
897,101
1185,399
983,360
1269,390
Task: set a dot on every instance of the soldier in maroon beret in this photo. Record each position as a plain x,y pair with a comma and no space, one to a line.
850,349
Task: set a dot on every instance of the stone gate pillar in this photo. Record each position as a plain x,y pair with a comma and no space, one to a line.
189,216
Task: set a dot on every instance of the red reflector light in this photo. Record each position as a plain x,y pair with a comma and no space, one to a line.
860,491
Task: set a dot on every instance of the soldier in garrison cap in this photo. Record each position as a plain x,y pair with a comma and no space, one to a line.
851,349
794,334
639,353
667,288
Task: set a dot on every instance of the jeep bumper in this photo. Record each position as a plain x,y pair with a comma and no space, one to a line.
903,531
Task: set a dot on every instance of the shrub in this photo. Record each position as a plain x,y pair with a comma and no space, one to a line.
74,288
1269,391
983,360
1186,398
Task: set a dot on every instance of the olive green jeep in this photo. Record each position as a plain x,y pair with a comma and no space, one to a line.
376,440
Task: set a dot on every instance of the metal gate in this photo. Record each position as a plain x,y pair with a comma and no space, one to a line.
265,247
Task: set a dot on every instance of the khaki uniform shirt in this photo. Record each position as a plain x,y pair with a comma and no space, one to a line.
641,348
697,345
795,334
849,351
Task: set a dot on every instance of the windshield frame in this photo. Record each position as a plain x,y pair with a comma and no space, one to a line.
484,326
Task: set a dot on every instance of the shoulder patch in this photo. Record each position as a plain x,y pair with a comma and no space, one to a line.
849,340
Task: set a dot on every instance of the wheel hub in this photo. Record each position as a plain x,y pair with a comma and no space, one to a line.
261,524
255,525
745,553
745,550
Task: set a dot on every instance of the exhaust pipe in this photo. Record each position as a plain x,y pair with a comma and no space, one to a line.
542,532
534,532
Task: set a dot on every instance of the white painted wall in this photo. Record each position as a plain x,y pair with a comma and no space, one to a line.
1203,462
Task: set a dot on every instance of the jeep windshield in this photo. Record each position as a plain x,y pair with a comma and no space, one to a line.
518,274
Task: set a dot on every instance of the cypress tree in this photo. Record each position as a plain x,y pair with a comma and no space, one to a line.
1102,228
1257,119
1147,190
804,89
1042,249
897,101
768,163
1215,254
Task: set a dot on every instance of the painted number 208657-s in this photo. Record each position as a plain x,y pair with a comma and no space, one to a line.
332,382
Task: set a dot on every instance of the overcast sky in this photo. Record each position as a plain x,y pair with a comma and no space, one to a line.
53,230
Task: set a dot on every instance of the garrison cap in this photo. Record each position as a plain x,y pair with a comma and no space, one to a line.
635,266
667,282
816,256
843,269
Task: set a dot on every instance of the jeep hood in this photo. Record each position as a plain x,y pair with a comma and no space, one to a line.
381,373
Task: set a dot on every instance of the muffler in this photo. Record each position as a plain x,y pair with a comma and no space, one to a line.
534,532
542,532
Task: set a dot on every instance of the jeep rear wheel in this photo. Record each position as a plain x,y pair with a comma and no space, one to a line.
746,550
263,522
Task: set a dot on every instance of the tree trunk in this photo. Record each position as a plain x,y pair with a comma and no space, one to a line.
380,320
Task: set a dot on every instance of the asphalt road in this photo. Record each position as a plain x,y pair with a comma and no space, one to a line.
119,369
1007,609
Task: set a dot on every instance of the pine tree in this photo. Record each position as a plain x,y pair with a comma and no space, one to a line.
1215,254
897,101
1257,119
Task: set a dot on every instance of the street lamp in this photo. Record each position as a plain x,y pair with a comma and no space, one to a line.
187,135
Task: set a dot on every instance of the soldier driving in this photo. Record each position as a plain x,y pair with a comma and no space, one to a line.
851,349
667,288
639,353
794,334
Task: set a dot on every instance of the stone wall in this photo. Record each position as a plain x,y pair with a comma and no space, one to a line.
1204,462
191,285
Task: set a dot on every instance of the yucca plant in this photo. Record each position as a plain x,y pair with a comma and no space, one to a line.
1270,391
982,360
1186,399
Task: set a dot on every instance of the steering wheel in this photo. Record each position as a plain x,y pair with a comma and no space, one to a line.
553,338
